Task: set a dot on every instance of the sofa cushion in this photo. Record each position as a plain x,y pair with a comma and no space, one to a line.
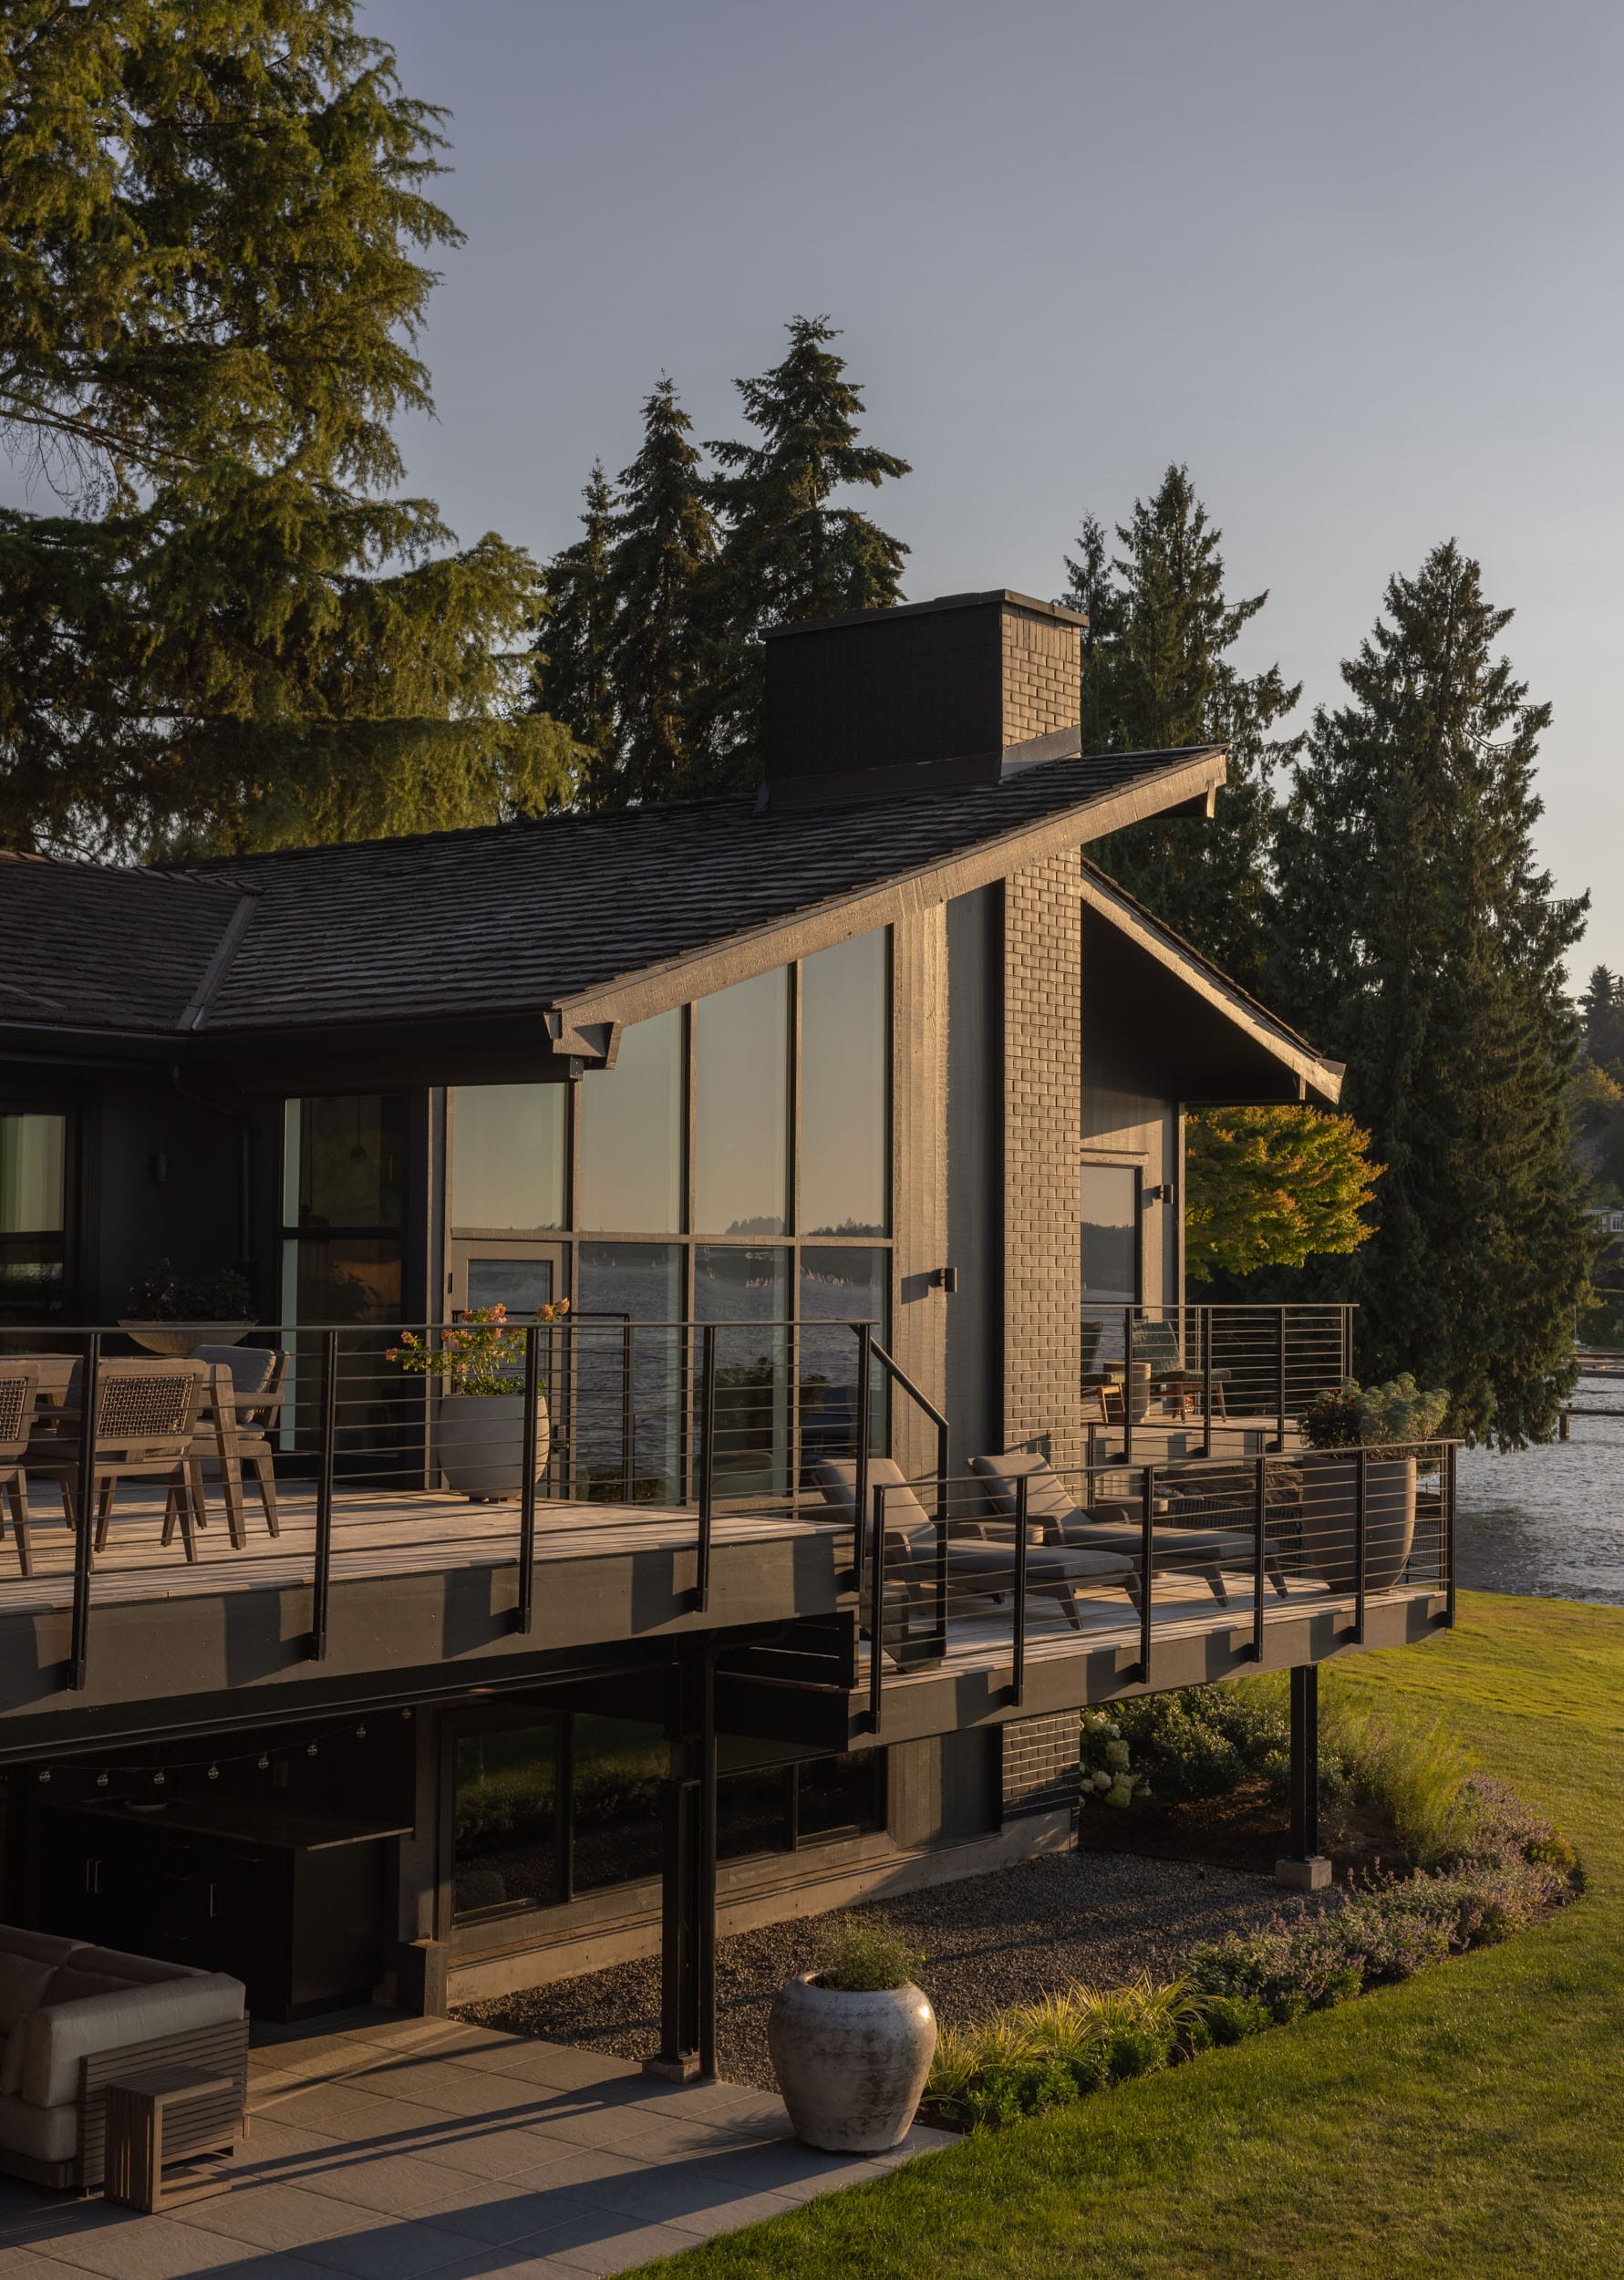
1050,1503
44,1947
11,2063
23,1985
62,2034
137,1970
69,1983
47,2133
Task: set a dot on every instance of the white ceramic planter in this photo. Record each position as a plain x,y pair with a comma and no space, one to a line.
481,1444
1329,1500
852,2066
179,1339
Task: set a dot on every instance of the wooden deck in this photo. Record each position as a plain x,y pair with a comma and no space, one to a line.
408,1532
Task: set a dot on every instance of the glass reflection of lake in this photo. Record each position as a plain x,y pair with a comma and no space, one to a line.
1549,1520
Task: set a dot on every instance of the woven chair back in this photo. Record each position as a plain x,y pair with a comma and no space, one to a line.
137,1401
19,1387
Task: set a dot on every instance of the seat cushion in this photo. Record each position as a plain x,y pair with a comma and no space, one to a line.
1167,1544
23,1984
11,2064
250,1366
1046,1563
131,1970
69,1984
44,2133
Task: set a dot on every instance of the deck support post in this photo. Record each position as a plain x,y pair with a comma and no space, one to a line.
1305,1868
688,1880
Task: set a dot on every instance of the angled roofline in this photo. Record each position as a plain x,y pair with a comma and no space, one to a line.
585,1021
1101,895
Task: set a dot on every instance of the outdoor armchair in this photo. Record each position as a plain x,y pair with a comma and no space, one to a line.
1157,1347
976,1567
1054,1517
19,1390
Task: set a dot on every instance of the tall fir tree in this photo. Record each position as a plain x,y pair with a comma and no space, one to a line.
1602,1007
1421,944
662,541
787,551
571,672
1157,673
234,633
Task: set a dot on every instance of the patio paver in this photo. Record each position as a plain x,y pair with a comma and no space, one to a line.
423,2149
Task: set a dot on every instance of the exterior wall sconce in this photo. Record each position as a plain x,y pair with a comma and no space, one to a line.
1160,1193
944,1279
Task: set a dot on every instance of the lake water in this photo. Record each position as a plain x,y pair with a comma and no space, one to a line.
1549,1520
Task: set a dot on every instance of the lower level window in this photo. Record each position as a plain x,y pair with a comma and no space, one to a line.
776,1809
560,1804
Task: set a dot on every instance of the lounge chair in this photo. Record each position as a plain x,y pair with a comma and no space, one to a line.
1054,1517
976,1567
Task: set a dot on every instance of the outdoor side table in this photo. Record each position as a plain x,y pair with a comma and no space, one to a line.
180,2119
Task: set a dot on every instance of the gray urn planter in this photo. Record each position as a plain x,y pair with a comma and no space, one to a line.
481,1444
852,2066
1329,1502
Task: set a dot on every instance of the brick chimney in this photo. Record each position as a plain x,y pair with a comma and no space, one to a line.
887,702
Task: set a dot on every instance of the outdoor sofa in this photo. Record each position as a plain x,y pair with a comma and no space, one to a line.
74,2017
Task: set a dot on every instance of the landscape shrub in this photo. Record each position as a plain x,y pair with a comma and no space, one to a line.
1510,1869
864,1955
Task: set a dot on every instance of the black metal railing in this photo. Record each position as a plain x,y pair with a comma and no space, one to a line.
342,1429
969,1570
1221,1367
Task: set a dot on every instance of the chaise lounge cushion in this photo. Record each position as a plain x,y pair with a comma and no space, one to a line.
911,1536
1114,1528
56,2037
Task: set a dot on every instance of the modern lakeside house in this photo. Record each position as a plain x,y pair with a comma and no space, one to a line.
848,1119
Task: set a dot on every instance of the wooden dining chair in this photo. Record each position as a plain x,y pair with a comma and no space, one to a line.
145,1416
19,1394
234,1430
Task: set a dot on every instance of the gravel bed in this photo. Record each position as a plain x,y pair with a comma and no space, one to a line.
990,1940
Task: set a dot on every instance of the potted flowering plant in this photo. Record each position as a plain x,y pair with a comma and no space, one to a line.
853,2041
1387,1422
479,1363
171,1312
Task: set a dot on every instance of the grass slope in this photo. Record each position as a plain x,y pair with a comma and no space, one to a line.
1471,2121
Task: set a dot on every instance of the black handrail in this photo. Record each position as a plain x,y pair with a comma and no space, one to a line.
1360,1490
707,1483
876,1610
1147,1547
1018,1674
322,1584
1260,1519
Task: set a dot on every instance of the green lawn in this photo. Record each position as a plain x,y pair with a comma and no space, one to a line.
1469,2122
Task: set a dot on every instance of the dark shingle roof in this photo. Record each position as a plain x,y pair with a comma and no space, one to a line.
82,946
513,917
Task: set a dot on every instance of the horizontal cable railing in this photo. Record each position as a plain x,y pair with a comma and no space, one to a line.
303,1444
971,1568
1216,1367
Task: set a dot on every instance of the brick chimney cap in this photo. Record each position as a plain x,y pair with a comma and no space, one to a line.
998,597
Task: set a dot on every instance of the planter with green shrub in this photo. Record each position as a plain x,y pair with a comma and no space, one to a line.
1388,1422
478,1365
171,1312
852,2043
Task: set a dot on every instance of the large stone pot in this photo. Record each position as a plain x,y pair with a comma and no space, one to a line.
852,2066
481,1444
1331,1497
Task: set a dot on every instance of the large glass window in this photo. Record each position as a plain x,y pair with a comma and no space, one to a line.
774,1809
506,1819
839,1286
736,1285
508,1155
619,1764
630,1177
32,1162
846,1052
628,1381
742,1108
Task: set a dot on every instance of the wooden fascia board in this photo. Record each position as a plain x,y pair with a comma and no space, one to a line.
698,973
1312,1073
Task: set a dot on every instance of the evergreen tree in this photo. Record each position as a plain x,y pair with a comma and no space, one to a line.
1425,947
787,551
1156,675
1602,1005
662,540
570,664
233,634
